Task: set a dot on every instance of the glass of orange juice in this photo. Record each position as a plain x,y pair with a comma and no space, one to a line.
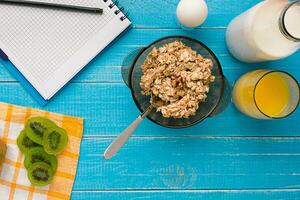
266,94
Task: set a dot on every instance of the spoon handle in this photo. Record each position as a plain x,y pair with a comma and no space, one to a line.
116,145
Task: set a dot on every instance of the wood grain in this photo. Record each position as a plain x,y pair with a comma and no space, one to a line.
99,95
106,66
191,163
229,157
190,195
161,14
108,109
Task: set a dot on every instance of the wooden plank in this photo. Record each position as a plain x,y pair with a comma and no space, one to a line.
189,195
103,104
103,68
98,73
191,163
108,109
161,163
158,14
106,66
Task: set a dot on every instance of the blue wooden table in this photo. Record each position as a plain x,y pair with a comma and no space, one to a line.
226,157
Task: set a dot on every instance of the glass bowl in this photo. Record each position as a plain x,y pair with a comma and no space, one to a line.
218,97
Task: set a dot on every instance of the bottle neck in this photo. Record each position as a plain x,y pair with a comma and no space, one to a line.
283,25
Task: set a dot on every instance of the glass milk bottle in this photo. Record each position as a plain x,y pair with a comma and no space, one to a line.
268,31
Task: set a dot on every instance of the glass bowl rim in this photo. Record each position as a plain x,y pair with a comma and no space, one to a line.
143,49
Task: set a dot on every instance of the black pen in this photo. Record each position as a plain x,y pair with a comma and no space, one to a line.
55,6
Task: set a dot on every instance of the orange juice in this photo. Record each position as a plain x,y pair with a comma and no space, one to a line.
272,94
265,94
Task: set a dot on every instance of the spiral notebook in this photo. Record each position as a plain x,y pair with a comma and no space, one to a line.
45,48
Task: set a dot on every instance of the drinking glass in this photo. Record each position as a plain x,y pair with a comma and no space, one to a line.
266,94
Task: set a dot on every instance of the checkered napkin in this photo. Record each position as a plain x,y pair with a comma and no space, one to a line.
14,183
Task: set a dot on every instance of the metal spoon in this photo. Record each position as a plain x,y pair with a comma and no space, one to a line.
117,144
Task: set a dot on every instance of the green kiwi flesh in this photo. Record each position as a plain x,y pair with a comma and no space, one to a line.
55,140
40,174
38,154
36,127
25,143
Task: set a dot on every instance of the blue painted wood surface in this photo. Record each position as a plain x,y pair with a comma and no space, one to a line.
226,157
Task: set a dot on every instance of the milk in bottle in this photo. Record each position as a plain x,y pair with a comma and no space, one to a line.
268,31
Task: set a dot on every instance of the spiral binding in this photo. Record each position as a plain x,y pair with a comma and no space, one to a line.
120,10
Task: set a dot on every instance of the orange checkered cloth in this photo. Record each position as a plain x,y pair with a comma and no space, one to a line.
14,183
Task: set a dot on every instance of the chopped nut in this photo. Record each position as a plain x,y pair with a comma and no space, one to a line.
179,77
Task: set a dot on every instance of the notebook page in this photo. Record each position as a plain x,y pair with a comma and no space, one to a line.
50,46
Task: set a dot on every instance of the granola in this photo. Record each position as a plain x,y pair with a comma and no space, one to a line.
177,78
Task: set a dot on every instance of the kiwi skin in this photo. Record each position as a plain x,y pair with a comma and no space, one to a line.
40,174
3,149
25,143
36,127
38,154
55,140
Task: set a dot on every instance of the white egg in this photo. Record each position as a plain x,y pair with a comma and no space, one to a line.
192,13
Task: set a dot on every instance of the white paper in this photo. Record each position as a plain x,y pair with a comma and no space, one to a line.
49,47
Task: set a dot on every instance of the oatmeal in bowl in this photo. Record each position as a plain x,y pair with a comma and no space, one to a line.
179,77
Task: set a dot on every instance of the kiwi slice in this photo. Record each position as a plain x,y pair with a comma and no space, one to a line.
24,143
55,140
38,154
36,127
40,174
